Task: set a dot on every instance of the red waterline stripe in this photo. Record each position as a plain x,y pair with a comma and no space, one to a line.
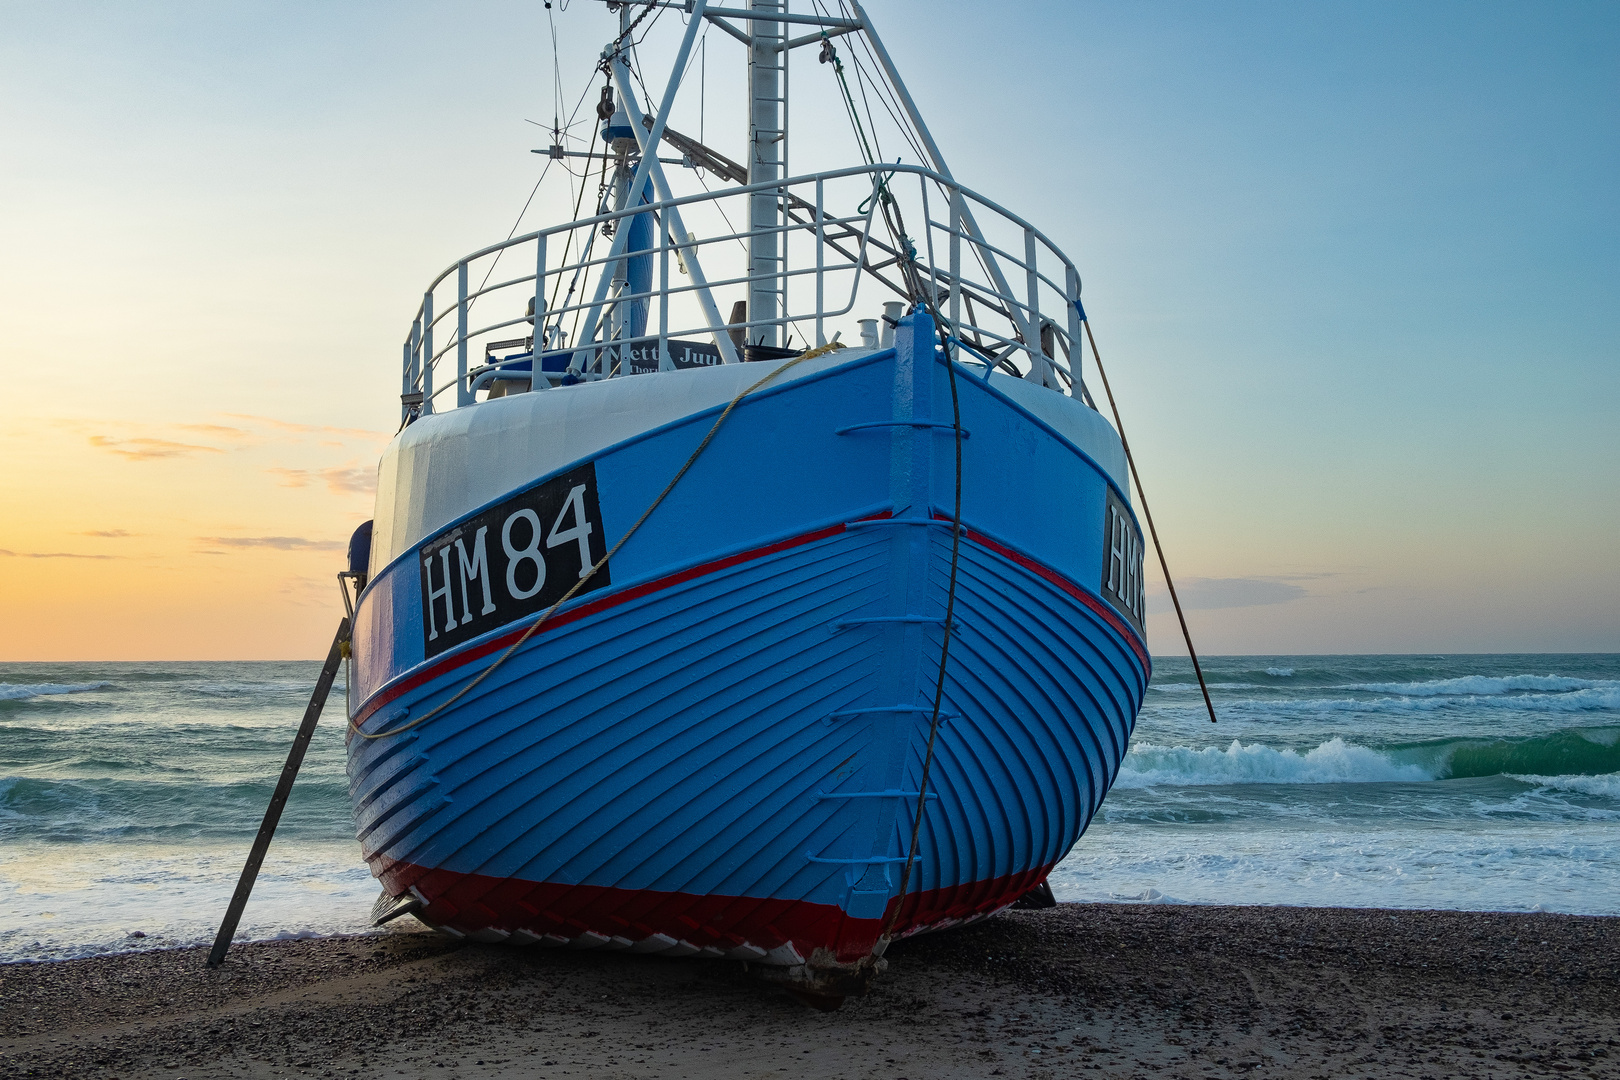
1098,605
472,902
592,607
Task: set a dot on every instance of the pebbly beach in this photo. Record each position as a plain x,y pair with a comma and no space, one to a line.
1076,990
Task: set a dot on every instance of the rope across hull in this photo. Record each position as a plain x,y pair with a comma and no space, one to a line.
720,752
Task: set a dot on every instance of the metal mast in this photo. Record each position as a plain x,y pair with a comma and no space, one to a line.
767,60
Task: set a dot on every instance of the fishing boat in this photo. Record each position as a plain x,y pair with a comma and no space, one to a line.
690,627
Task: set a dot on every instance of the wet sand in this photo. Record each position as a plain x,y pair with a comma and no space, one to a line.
1077,990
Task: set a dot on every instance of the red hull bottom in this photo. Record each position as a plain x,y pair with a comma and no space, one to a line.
769,931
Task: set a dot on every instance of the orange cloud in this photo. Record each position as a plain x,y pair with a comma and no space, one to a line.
340,479
310,429
51,555
216,430
277,543
149,449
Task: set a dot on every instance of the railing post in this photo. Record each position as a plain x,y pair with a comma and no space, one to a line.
928,237
405,380
1032,337
664,361
415,381
956,269
537,378
464,395
1071,285
427,353
821,261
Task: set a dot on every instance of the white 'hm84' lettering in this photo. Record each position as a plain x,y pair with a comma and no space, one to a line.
473,568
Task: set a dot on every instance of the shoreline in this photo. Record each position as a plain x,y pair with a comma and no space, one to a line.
1104,989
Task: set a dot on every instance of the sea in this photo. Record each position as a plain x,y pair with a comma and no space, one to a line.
129,793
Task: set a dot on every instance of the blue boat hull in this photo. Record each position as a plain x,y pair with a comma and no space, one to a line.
721,750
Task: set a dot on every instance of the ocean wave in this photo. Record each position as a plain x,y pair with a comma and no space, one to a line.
1280,672
1583,758
1607,786
1333,762
1595,698
246,689
25,691
75,810
1483,685
1192,687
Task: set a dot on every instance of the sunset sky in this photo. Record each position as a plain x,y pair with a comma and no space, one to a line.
1355,269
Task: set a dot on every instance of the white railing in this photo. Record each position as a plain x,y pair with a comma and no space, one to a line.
1008,298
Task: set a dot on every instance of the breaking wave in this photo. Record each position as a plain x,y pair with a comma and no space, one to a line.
1608,786
1600,696
1573,759
1333,762
1484,685
1280,672
25,691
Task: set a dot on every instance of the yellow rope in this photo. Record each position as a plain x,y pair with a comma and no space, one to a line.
569,595
823,350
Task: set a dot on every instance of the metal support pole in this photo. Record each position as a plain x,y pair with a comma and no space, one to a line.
537,378
464,395
416,355
427,353
272,813
649,167
405,379
765,134
664,362
1032,282
649,161
821,263
956,270
1071,286
1031,333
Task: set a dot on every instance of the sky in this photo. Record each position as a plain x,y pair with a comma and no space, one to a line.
1355,270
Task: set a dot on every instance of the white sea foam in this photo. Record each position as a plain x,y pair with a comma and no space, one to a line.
62,902
1280,672
1333,762
1483,685
24,691
1601,696
1607,785
1496,866
1146,896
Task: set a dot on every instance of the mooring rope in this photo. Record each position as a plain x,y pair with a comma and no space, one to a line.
580,584
1148,514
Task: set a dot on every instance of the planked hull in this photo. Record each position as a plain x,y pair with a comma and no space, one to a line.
719,751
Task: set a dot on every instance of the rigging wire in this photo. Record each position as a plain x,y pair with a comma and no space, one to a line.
1154,532
724,216
557,133
886,96
590,246
556,76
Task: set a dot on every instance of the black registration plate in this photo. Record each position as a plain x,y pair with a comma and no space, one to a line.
512,560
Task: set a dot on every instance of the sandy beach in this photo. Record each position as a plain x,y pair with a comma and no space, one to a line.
1105,990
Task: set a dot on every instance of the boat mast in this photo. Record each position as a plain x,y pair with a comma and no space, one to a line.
767,62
